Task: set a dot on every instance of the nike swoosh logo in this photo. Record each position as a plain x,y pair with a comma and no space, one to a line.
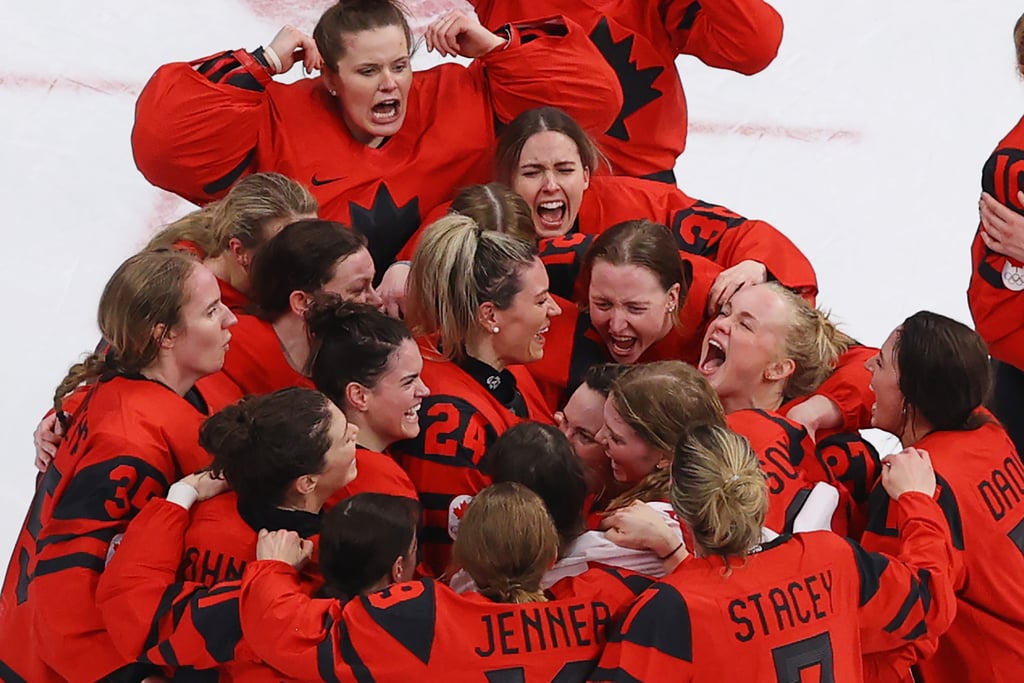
317,182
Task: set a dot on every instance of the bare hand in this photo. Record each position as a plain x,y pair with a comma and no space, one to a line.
908,470
730,280
283,545
1002,228
292,45
459,34
392,289
641,527
817,413
205,484
47,438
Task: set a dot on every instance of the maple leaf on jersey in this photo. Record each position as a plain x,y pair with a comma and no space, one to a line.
386,225
637,84
460,510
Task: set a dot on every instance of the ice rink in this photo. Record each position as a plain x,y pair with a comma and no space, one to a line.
863,141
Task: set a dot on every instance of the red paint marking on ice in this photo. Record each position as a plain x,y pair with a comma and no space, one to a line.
166,209
754,130
35,82
110,87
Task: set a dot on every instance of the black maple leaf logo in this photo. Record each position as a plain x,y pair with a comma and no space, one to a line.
637,84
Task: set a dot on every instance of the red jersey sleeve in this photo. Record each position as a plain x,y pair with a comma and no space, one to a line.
849,388
740,35
215,106
994,293
552,61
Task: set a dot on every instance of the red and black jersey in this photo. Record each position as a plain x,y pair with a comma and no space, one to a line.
255,361
786,454
201,126
640,41
853,464
155,617
424,631
997,280
804,607
458,423
127,441
377,473
981,492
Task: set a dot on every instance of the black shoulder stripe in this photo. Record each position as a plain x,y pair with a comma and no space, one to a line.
689,16
167,601
917,631
646,625
913,597
870,567
70,561
245,81
220,626
223,183
167,653
794,508
348,655
947,501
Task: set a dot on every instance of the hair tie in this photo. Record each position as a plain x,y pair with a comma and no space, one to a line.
734,477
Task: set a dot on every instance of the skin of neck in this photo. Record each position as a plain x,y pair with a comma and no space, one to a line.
294,338
481,347
765,396
168,373
228,269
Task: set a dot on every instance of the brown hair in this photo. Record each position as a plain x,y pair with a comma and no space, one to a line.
190,233
662,402
506,543
719,490
346,17
1018,40
812,342
532,121
645,244
457,267
262,444
146,292
495,207
944,373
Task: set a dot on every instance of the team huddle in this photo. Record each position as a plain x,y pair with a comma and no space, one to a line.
448,380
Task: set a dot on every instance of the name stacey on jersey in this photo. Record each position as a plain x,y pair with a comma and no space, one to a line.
783,607
543,626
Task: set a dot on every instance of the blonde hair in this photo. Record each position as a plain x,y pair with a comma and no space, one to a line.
146,291
661,402
719,490
456,268
190,233
506,543
496,207
812,342
256,199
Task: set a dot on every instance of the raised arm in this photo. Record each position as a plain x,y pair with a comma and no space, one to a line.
739,35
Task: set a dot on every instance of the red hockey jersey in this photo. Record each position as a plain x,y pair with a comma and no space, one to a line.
201,126
424,631
154,616
981,492
256,362
128,440
458,423
640,40
378,473
802,608
997,280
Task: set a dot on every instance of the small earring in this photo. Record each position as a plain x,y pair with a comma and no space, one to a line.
495,329
334,93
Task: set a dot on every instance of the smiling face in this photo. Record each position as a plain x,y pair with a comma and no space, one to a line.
551,178
340,459
372,83
200,339
631,457
393,404
629,309
744,347
523,325
887,412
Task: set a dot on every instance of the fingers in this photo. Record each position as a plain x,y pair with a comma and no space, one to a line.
292,45
442,35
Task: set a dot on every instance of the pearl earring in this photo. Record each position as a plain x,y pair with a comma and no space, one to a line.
495,329
334,93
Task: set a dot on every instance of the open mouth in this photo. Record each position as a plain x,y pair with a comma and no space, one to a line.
552,213
412,415
621,345
386,111
714,357
540,336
